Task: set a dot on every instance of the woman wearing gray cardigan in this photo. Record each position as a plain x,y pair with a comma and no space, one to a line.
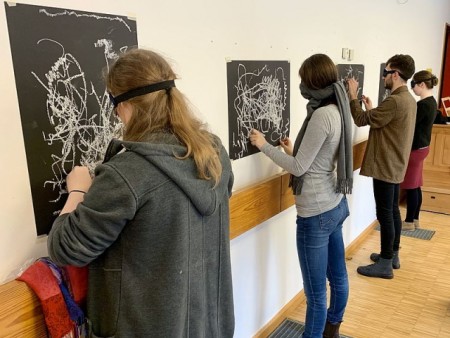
153,225
323,145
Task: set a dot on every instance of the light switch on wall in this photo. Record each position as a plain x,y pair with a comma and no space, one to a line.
344,53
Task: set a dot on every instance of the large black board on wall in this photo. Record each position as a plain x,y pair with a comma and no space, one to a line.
59,56
258,97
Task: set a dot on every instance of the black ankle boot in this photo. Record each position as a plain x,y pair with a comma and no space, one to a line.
331,330
395,259
380,269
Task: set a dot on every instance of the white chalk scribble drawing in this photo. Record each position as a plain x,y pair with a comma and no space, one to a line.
348,71
82,135
260,100
59,56
66,12
385,95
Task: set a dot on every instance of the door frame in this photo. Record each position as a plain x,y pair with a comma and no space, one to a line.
444,89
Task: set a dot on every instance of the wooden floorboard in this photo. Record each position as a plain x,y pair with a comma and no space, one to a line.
416,303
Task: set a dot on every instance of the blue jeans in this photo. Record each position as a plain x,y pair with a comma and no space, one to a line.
321,253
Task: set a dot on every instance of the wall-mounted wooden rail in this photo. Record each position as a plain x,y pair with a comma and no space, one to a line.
20,311
257,203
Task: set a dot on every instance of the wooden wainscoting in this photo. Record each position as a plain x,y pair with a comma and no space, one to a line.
20,312
436,174
359,149
255,204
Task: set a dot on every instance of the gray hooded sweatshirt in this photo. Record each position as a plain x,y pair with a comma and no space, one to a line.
156,238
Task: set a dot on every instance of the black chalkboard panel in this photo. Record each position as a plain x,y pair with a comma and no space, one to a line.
348,71
58,57
258,97
383,93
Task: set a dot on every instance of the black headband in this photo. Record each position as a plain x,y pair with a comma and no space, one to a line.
414,82
141,91
402,76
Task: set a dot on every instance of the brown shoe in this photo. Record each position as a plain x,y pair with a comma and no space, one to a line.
408,226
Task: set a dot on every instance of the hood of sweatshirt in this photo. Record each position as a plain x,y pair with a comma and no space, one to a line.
162,150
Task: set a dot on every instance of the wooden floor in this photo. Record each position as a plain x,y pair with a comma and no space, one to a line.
416,303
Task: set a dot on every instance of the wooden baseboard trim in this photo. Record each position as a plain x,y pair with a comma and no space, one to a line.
300,298
356,243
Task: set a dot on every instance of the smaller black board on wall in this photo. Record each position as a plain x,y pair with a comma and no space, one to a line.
258,97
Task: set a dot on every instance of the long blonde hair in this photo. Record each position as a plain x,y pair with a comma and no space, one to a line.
162,110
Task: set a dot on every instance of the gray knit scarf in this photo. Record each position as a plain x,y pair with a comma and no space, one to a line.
345,156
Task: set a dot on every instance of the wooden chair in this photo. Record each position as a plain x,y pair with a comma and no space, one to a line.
446,105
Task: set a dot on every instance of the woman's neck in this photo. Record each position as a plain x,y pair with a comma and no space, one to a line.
425,94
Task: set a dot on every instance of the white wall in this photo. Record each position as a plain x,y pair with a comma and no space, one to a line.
199,36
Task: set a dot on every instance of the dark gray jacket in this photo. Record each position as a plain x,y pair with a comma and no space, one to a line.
156,239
